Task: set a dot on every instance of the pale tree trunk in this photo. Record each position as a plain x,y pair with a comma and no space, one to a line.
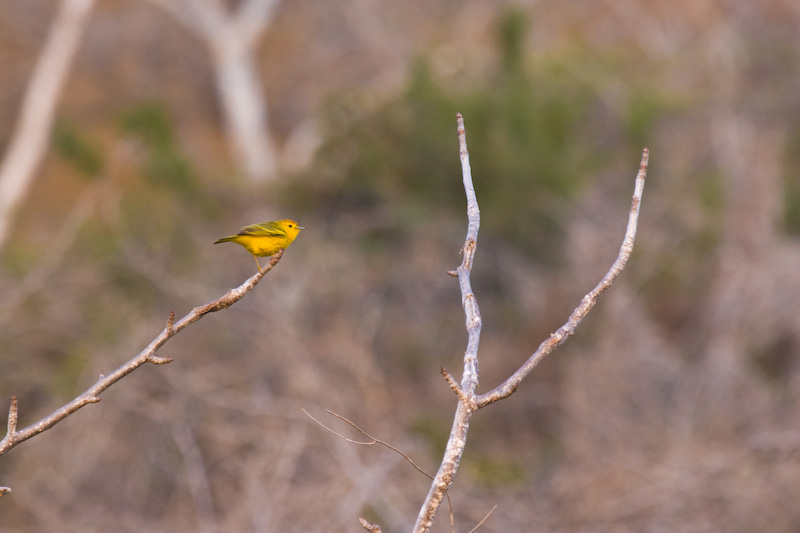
231,37
29,140
242,98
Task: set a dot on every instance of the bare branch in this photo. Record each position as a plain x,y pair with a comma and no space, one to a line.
91,395
468,401
469,382
558,338
13,413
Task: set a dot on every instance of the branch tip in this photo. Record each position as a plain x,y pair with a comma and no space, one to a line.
156,360
454,386
372,528
13,413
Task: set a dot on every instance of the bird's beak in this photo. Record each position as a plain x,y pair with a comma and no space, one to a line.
301,227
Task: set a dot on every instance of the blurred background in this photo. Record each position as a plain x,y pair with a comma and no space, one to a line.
164,125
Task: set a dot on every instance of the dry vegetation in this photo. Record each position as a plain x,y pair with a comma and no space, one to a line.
675,408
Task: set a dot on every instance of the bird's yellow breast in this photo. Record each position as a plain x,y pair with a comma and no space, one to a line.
262,246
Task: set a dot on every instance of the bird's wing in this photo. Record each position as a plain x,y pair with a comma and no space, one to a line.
267,229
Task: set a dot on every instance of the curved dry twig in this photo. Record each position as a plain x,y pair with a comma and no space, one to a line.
92,395
484,519
372,440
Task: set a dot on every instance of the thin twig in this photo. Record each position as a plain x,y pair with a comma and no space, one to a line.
372,439
450,381
91,395
348,439
456,387
170,321
13,413
372,528
474,529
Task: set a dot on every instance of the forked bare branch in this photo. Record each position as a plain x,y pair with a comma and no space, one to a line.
468,401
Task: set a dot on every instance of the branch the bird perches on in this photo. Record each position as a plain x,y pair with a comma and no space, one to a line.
148,355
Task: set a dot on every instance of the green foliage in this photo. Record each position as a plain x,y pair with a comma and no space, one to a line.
642,114
511,31
498,472
77,149
404,148
776,360
433,432
524,131
791,192
710,191
791,198
18,256
164,163
158,211
71,366
99,242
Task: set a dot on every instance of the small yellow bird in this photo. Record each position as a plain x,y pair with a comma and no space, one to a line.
265,239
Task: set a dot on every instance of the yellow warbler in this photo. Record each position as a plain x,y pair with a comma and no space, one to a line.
265,239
